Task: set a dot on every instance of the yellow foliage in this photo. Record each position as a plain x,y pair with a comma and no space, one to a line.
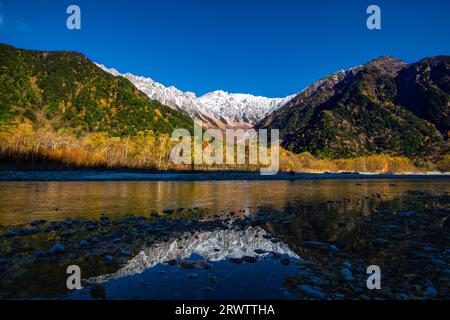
158,113
148,149
103,102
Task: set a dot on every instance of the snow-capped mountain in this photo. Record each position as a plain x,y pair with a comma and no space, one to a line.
236,108
215,109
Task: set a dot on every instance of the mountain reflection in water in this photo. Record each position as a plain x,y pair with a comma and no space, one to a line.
231,261
251,243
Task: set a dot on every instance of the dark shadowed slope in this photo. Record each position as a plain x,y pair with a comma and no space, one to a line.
385,106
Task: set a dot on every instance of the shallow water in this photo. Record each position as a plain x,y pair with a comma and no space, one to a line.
23,202
315,228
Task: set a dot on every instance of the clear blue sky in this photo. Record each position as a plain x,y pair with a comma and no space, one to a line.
263,47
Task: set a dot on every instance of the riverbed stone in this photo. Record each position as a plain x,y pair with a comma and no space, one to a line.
430,293
347,274
109,259
58,249
98,291
347,264
311,292
186,264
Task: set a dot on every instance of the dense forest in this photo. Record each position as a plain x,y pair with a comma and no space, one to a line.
385,106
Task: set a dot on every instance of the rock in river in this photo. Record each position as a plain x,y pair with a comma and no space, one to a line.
347,274
430,293
58,249
109,259
186,264
311,292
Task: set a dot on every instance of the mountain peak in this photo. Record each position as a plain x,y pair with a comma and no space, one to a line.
385,64
217,108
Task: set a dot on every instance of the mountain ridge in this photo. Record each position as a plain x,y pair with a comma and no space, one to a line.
366,110
215,109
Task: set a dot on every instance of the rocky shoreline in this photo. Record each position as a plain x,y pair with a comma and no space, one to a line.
114,175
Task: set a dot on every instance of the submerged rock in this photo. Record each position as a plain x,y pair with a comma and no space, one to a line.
36,223
285,262
109,259
82,243
333,247
347,264
236,260
311,292
407,214
316,244
57,249
430,293
446,223
249,259
347,274
186,264
382,242
318,281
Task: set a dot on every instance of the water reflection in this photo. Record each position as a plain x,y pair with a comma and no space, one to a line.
22,202
315,227
217,245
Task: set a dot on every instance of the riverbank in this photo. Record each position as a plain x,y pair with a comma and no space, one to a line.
113,175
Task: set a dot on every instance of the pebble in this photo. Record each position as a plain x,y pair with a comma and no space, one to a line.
259,251
318,281
57,249
236,260
382,242
126,253
430,293
446,223
311,292
12,233
407,214
82,243
347,264
347,274
109,259
186,264
37,223
316,244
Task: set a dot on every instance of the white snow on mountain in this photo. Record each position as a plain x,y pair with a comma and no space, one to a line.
214,245
237,108
215,109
